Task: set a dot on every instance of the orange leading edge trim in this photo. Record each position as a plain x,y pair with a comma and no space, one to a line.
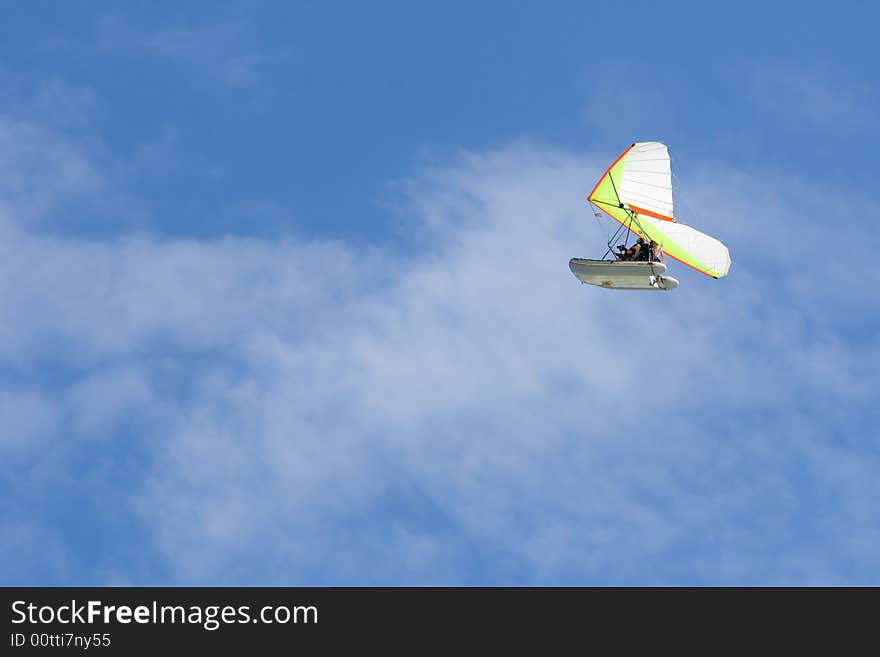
607,171
656,215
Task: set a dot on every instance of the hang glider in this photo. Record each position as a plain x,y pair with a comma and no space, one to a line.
636,191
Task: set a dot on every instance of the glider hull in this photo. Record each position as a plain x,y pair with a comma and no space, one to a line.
622,275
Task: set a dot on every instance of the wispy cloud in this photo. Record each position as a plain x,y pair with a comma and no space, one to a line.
52,102
301,412
810,97
224,50
39,169
623,102
31,552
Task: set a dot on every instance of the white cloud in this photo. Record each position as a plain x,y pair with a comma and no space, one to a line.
39,170
30,552
226,50
626,105
811,97
27,417
53,101
465,412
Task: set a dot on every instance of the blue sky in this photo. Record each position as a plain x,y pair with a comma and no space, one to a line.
285,296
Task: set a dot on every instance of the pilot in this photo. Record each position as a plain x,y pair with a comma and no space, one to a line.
639,250
631,253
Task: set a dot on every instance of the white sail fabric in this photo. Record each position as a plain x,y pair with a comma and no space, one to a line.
646,181
705,253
